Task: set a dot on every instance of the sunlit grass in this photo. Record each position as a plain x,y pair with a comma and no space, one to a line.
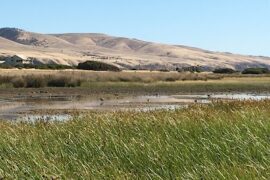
255,85
134,82
94,76
220,141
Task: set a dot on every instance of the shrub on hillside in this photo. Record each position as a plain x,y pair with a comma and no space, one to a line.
256,71
5,66
192,69
44,66
54,66
224,71
32,66
97,66
164,70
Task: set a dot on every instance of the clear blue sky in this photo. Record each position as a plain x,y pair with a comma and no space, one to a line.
239,26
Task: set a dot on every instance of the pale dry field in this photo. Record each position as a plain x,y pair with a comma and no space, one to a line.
70,49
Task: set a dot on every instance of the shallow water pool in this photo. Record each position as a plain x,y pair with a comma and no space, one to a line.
32,109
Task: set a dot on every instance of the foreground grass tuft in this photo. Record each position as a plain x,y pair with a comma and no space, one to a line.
220,141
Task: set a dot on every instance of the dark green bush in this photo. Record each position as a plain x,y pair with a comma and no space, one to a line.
63,82
224,71
59,82
35,81
97,66
256,71
31,81
54,66
170,79
40,66
5,66
164,70
192,69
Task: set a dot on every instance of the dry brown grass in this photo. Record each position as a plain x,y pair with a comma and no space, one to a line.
124,76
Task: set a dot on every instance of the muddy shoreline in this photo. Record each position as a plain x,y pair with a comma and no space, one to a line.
48,106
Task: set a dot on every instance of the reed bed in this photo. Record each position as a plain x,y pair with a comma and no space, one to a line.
65,78
217,141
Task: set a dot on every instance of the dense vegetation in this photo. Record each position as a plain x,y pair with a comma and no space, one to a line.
127,83
30,81
220,141
97,66
134,81
101,66
88,65
224,71
193,69
35,78
256,71
40,66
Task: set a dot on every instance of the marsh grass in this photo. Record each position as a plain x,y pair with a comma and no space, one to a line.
134,82
46,78
219,141
39,81
228,85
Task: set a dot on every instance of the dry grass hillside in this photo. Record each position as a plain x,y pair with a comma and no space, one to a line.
72,48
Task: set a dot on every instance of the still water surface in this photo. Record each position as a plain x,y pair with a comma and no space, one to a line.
32,109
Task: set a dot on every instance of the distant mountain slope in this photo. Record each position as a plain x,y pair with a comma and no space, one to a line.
32,39
103,41
72,48
4,43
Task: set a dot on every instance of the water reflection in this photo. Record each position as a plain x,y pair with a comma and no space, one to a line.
22,107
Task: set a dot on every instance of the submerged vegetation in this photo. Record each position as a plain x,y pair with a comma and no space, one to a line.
219,141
